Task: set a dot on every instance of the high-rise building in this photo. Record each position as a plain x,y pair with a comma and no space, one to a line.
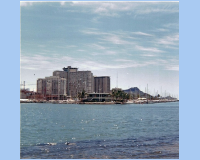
50,86
55,85
76,81
41,86
70,82
102,84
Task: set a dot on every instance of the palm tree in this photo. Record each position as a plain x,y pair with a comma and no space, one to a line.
119,95
82,94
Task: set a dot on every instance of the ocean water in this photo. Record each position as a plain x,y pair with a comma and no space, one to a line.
99,131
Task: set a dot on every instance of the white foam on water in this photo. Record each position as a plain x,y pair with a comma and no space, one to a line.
52,144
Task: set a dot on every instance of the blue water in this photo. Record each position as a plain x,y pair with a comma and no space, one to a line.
99,131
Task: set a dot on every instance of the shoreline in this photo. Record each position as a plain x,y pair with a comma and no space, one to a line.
98,103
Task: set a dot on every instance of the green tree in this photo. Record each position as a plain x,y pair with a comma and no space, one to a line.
82,94
119,95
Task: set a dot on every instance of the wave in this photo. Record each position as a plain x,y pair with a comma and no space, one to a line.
159,147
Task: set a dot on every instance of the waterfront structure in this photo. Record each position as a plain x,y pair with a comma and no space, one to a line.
25,94
98,97
76,81
102,84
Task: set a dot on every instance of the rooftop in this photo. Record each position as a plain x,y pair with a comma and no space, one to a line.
98,93
101,76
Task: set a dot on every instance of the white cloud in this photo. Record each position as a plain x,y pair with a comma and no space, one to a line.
45,63
115,39
66,46
156,10
42,46
104,52
172,68
94,54
148,55
80,50
168,64
123,38
169,40
93,31
103,8
102,66
110,53
97,46
41,62
162,30
123,60
162,61
121,63
142,33
171,25
23,4
148,49
112,8
95,20
62,3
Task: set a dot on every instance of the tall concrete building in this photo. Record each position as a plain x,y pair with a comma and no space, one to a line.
70,82
51,86
76,81
41,86
102,84
55,85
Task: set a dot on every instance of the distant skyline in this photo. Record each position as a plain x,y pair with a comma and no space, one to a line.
138,41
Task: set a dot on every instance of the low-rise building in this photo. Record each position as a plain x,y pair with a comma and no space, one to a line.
98,97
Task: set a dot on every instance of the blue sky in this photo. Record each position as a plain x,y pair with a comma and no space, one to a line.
138,41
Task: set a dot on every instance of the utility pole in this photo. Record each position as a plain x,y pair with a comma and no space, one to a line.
117,80
139,92
147,93
58,88
34,93
99,92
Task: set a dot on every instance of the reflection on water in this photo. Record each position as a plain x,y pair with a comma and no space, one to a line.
85,131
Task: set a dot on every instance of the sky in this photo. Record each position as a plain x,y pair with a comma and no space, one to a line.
135,43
